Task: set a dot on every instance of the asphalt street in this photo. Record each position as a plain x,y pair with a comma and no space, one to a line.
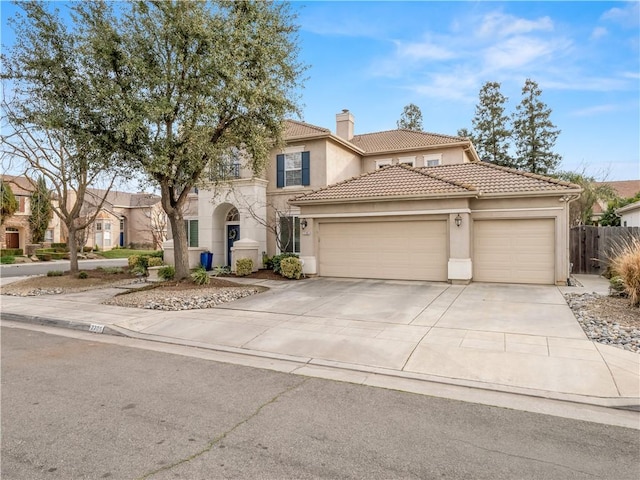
77,408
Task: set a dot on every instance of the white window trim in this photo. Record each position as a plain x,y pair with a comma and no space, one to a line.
383,163
292,214
292,170
293,149
192,219
411,161
432,157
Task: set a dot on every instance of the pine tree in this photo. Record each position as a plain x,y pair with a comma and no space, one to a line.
491,132
411,118
41,211
534,133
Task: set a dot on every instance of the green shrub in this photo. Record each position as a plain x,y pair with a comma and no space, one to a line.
221,270
96,248
60,246
11,252
291,267
244,267
138,270
86,249
157,254
154,262
277,259
83,275
133,261
7,259
54,273
167,272
200,276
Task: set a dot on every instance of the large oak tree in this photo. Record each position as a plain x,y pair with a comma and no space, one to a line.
196,79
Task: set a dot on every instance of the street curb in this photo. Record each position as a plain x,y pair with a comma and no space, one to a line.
616,403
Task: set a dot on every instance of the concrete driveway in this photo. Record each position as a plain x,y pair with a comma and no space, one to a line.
520,338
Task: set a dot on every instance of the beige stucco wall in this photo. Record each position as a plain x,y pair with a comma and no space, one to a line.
448,156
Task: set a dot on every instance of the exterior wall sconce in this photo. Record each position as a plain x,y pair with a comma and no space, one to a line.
303,223
458,220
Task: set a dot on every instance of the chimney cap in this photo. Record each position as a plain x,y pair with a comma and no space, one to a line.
345,110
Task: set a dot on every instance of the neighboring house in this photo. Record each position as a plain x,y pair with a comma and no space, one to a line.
397,204
629,215
622,188
15,231
125,219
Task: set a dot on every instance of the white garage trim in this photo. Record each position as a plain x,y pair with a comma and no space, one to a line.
404,213
514,251
403,249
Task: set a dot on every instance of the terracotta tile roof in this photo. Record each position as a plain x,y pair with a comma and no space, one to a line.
391,140
293,128
493,179
391,181
19,185
624,188
465,179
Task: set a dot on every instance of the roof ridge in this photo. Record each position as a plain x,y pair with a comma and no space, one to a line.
529,174
421,132
423,171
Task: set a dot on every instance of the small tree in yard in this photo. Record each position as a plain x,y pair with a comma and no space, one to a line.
196,79
8,202
41,211
56,122
581,210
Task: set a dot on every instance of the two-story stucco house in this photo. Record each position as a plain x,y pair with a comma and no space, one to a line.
396,204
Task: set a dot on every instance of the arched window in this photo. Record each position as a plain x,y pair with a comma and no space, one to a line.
233,215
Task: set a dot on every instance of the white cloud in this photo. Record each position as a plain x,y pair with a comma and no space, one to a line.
458,85
500,25
599,32
520,51
627,16
594,110
423,51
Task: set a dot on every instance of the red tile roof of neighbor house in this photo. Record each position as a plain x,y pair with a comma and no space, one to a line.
20,185
624,188
465,179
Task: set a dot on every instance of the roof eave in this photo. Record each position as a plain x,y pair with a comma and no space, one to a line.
431,196
329,135
420,148
543,193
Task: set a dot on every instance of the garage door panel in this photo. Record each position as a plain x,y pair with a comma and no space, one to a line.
514,251
414,250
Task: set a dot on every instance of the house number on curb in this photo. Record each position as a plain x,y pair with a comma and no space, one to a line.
96,328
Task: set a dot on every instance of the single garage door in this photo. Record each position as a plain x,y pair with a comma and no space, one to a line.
514,251
406,250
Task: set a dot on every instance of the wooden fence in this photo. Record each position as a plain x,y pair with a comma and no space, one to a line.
592,247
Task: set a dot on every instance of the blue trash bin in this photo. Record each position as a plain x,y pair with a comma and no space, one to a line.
206,260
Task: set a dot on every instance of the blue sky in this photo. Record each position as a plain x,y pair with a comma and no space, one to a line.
374,58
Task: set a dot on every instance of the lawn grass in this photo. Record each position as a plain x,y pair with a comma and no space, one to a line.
124,253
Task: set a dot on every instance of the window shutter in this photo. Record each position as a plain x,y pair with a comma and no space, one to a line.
306,174
280,167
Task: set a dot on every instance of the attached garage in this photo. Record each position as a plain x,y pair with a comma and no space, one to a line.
410,250
514,251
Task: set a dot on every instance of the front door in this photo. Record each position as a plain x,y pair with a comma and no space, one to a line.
233,234
12,239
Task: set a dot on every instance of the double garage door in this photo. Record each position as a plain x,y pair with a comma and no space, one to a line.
407,250
504,251
514,251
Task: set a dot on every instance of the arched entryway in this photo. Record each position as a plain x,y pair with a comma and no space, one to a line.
232,230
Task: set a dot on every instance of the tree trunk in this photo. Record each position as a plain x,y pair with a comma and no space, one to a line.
180,244
72,243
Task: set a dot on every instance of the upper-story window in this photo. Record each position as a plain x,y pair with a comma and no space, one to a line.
383,163
411,161
293,169
432,160
228,167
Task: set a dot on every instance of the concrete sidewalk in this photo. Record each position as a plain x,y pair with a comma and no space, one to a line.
502,338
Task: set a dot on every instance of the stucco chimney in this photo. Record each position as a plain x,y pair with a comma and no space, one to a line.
344,125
